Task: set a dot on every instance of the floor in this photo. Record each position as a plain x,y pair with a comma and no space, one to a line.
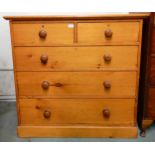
8,122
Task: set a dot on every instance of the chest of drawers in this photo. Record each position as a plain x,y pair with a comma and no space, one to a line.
77,76
147,81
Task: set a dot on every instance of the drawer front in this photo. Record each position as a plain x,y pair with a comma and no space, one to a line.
102,84
108,32
42,34
151,103
75,58
77,111
152,71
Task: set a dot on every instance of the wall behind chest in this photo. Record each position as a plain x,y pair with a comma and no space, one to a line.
6,66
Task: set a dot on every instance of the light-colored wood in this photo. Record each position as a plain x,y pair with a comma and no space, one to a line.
138,66
15,79
146,123
78,131
76,58
81,17
76,61
77,111
56,33
80,44
122,32
123,84
63,33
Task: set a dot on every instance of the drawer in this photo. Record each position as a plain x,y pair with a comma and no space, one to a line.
152,71
108,32
151,103
42,34
62,84
75,58
77,111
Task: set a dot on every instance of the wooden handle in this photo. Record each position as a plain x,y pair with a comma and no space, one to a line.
44,58
47,114
42,34
107,58
107,84
45,84
108,33
106,113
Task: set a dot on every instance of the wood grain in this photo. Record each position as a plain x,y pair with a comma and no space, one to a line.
76,75
123,84
76,58
80,17
78,131
77,111
56,33
122,32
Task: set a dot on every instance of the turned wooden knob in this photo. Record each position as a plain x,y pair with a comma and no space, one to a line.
44,58
42,34
107,58
108,33
106,113
107,84
45,84
47,114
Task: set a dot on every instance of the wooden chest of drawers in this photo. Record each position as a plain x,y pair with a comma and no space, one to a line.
77,76
147,81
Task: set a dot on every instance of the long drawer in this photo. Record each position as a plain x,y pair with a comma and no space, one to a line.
75,58
102,84
80,111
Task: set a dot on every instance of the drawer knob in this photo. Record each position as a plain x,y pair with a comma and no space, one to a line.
107,84
107,58
108,33
47,114
42,34
44,59
106,113
45,84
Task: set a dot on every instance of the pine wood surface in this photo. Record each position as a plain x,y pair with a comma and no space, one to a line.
76,47
76,58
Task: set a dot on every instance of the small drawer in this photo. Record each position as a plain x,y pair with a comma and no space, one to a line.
84,84
77,111
75,58
30,34
108,32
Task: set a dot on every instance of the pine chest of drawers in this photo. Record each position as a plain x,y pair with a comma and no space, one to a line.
77,76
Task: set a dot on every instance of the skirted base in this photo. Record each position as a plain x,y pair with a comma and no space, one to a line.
77,131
